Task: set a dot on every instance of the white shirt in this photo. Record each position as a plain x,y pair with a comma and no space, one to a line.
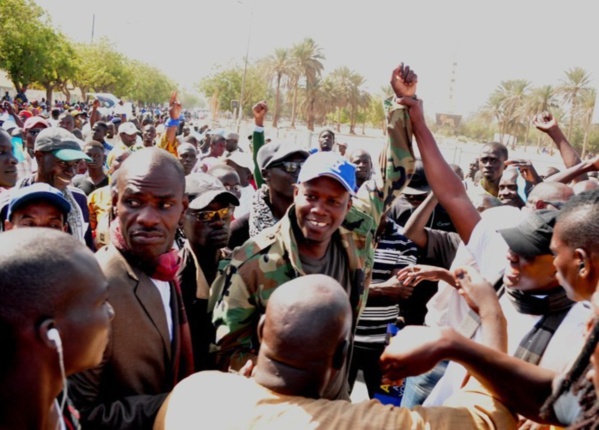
164,288
562,350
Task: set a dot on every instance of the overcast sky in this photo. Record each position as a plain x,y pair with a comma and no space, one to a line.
489,41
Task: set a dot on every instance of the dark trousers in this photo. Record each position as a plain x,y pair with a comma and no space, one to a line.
367,360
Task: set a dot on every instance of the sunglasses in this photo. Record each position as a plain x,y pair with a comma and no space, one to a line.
289,166
415,197
34,131
210,216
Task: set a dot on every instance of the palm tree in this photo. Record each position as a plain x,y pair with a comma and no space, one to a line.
587,107
307,56
358,99
539,99
577,80
279,67
341,79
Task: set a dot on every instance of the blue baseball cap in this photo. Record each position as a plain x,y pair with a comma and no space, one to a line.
36,192
332,165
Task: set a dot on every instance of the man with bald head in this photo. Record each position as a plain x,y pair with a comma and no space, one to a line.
150,347
305,335
549,195
54,319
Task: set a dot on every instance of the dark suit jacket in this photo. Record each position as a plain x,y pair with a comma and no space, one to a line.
136,373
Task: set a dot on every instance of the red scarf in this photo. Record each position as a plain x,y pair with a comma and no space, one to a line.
164,269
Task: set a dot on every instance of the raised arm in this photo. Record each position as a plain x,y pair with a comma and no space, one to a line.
397,157
446,185
259,110
548,124
168,141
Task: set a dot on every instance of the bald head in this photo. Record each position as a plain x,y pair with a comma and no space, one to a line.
544,194
149,160
34,263
305,332
304,312
588,185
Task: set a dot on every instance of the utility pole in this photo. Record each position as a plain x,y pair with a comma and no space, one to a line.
93,26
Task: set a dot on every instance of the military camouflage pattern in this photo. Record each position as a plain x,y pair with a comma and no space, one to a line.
240,293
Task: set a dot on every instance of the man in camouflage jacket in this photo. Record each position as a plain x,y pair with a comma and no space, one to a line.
240,293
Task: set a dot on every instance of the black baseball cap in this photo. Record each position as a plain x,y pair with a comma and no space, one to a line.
532,236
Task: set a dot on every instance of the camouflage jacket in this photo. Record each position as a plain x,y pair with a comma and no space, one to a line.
240,292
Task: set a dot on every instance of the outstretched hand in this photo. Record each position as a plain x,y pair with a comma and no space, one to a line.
412,351
175,107
404,81
413,275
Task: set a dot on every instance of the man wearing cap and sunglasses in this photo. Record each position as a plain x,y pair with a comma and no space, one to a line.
327,230
57,153
276,168
206,227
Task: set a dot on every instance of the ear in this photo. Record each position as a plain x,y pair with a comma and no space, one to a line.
114,193
584,262
38,156
295,189
261,327
265,175
340,354
43,330
7,225
350,202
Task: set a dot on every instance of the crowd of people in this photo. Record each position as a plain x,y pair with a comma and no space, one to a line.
155,274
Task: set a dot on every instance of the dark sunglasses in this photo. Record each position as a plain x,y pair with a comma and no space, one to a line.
34,131
289,166
210,216
415,197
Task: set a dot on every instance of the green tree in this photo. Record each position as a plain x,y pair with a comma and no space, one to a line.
102,69
576,81
307,56
24,53
62,63
149,84
279,67
587,107
223,85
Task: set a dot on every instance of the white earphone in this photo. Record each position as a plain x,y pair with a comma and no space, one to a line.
54,336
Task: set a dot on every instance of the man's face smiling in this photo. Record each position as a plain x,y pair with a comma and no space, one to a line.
321,204
530,273
55,171
508,189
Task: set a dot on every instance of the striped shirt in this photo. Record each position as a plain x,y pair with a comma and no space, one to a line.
394,251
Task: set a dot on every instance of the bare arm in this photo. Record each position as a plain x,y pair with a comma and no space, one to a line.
575,171
168,141
548,124
414,228
446,185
